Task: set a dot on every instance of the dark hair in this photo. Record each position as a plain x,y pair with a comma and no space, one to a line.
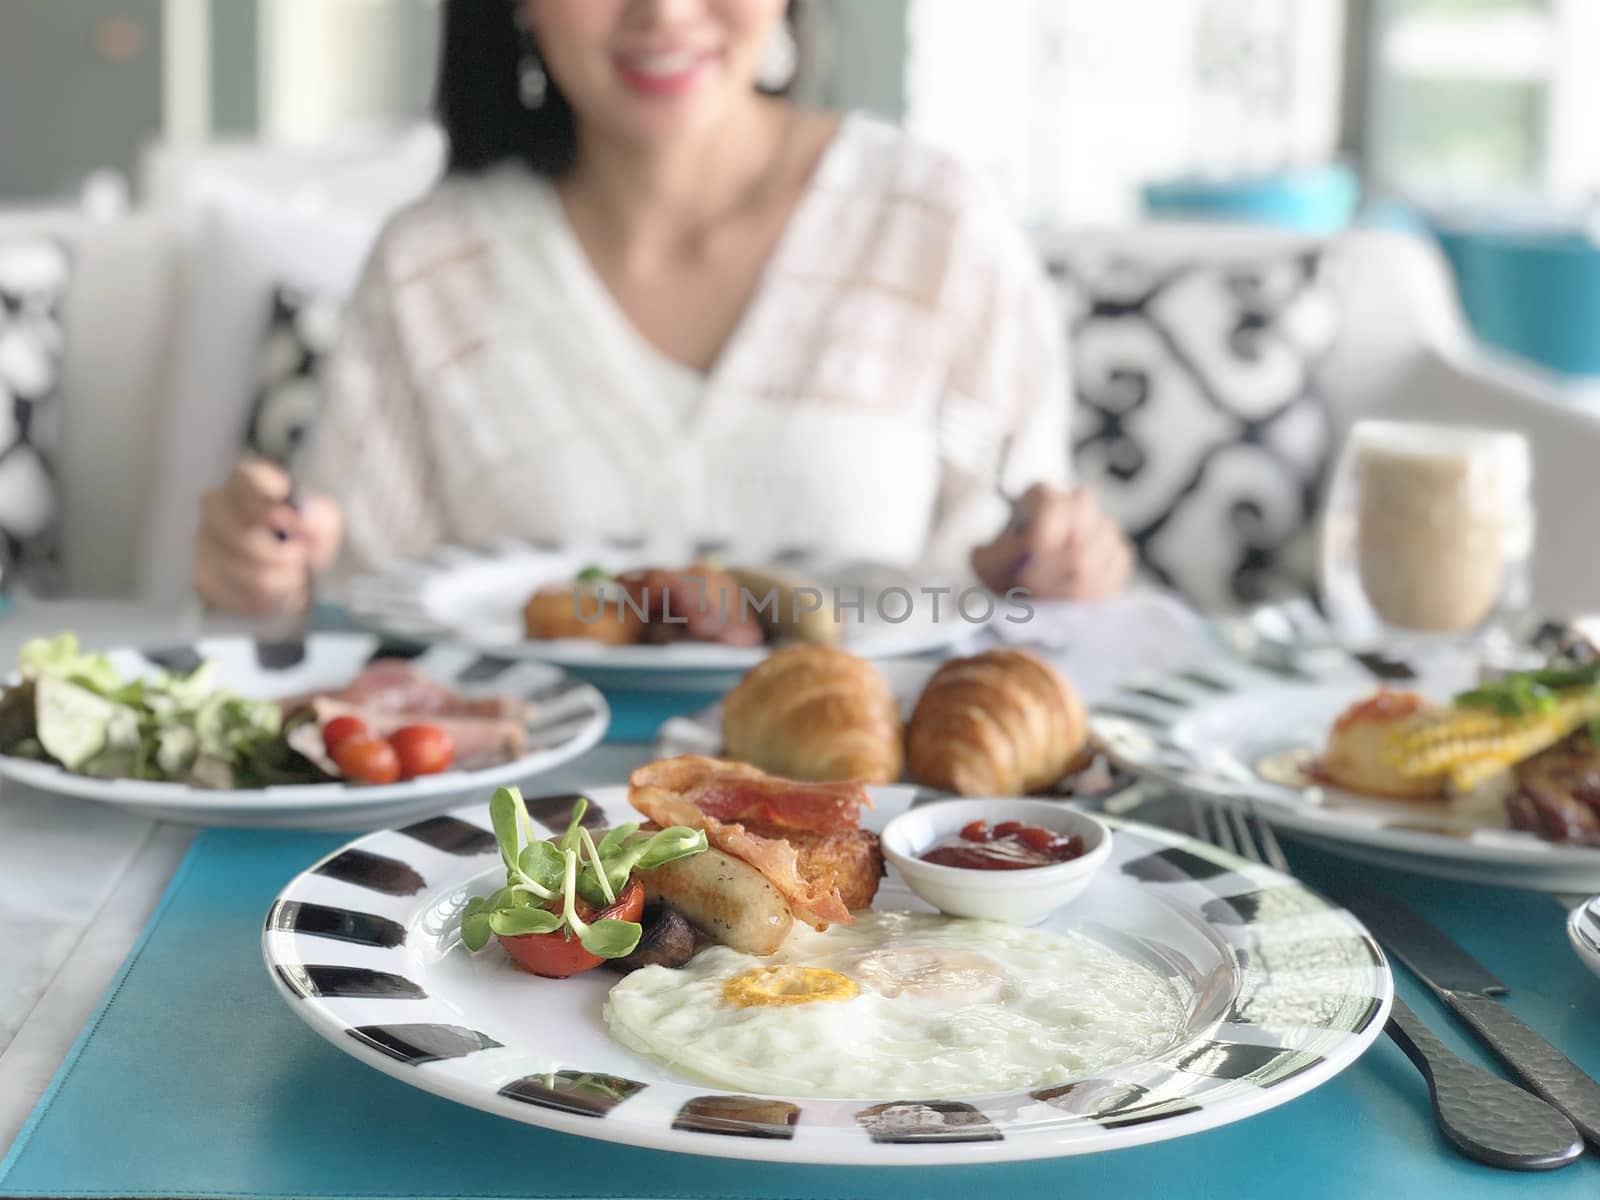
479,101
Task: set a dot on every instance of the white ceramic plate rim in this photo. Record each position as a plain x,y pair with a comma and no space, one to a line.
1583,931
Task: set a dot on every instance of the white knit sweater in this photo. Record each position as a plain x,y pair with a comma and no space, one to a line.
900,342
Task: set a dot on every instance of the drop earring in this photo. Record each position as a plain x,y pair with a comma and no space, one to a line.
781,62
533,84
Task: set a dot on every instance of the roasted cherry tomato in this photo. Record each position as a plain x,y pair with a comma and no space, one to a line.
342,729
1007,829
423,750
367,759
976,831
556,955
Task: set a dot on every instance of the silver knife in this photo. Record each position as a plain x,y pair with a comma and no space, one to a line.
1468,989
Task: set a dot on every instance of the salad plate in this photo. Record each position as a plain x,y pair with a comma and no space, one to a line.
1234,732
477,598
1277,992
561,717
1583,929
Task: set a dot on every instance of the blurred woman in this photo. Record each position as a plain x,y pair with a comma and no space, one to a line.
650,300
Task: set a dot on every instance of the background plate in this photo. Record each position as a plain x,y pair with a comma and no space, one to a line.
1205,733
477,597
1286,991
568,717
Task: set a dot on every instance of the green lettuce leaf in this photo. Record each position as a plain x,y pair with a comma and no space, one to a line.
59,658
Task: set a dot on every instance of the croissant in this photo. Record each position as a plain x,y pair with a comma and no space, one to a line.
1002,723
816,713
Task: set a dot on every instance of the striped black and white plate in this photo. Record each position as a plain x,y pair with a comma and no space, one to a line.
476,597
1232,732
1583,927
1283,992
566,718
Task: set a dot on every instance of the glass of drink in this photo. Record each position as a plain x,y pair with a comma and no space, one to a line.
1427,536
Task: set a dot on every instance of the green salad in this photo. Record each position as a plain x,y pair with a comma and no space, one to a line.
76,710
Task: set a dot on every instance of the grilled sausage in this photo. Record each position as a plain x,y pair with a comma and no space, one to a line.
725,897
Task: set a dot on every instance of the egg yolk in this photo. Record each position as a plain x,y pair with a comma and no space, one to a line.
787,985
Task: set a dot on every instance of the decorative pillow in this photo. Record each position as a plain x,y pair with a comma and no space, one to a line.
1198,415
34,276
300,334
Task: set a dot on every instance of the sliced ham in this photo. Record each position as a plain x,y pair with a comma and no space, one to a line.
722,798
392,685
478,741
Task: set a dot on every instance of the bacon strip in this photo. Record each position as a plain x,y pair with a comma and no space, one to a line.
704,793
783,804
395,686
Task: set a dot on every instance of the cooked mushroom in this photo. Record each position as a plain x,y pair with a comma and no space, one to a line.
667,941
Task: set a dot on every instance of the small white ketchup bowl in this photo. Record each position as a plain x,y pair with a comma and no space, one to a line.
1023,896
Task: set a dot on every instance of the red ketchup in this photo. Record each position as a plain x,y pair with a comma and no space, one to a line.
1008,846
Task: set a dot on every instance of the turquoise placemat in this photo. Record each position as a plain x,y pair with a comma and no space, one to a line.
195,1080
636,716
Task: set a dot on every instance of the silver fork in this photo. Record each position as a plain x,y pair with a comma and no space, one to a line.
1484,1116
1228,827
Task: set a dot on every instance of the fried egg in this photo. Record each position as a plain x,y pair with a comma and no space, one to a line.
899,1006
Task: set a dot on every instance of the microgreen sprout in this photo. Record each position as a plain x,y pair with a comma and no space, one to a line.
1531,692
539,873
609,892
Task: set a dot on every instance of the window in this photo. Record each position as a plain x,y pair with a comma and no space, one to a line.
1071,105
1470,97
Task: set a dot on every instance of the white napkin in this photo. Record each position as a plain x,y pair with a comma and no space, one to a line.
1102,646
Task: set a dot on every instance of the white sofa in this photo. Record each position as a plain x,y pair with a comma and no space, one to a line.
168,309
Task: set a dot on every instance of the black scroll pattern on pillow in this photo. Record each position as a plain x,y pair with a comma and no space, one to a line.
1199,416
35,274
299,336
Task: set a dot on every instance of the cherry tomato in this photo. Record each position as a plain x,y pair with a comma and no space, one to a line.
555,955
976,831
1007,828
423,750
342,729
367,759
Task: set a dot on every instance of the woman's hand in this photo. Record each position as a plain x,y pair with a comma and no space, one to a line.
1061,547
254,551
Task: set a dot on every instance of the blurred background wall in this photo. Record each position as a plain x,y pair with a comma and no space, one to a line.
86,83
1072,105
